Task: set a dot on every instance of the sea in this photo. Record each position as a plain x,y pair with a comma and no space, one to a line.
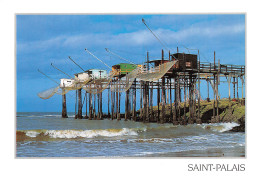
47,135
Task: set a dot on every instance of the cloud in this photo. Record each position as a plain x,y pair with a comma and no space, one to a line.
137,38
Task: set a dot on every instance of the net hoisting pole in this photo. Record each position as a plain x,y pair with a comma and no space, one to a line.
76,63
48,77
97,58
163,44
60,70
118,56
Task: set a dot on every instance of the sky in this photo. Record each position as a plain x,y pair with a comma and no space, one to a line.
45,39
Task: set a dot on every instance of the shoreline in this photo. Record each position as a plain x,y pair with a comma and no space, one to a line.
238,152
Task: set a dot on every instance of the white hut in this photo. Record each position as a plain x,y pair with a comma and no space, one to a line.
97,73
65,83
82,76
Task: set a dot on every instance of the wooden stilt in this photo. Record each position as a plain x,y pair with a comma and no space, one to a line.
163,100
134,101
163,94
214,101
101,112
117,104
64,106
147,102
175,100
229,95
76,101
190,98
144,103
79,104
98,102
151,102
141,100
184,115
237,89
158,102
126,104
179,99
199,120
108,102
234,87
86,96
94,109
112,104
171,114
208,99
90,107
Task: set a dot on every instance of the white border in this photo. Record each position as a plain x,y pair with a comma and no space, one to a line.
122,170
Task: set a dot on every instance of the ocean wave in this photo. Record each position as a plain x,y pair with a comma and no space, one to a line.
39,116
72,134
220,127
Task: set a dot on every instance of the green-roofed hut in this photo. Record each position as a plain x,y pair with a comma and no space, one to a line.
123,68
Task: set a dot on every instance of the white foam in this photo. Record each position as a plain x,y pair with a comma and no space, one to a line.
150,140
32,133
89,133
229,126
220,127
49,115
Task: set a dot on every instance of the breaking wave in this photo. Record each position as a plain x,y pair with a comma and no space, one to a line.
155,134
220,127
72,134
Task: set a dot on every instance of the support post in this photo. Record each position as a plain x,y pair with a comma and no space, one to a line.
199,120
147,102
151,102
98,101
217,97
90,106
163,93
185,97
234,87
134,101
214,101
64,106
126,104
242,99
86,96
108,101
112,104
171,114
141,100
76,102
237,90
94,109
175,100
158,101
101,112
190,98
79,104
229,96
144,103
208,99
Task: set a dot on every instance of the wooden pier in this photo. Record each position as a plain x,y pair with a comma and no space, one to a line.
180,85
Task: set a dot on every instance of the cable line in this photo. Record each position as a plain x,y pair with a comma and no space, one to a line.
118,56
60,70
98,58
76,63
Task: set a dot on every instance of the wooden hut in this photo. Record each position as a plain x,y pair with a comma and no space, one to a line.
123,68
